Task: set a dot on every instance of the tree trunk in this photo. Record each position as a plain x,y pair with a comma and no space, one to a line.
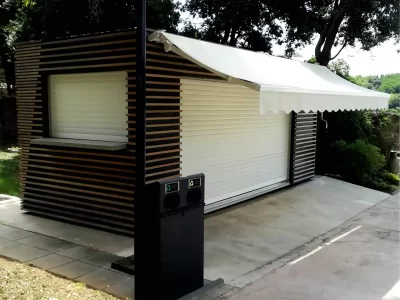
327,39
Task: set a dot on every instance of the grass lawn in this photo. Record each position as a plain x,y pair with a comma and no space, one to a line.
9,172
22,282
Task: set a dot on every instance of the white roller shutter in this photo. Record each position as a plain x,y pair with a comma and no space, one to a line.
225,137
89,106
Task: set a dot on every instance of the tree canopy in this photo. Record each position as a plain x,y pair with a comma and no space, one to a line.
22,20
389,83
256,24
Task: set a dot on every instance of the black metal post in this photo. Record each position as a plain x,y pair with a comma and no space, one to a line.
139,227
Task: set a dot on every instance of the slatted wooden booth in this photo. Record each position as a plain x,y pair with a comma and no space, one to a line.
58,83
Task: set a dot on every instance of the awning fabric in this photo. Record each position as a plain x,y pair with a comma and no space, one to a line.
284,84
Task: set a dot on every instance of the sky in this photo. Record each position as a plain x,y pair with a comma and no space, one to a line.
382,59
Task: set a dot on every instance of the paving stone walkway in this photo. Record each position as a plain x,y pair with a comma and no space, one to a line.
69,260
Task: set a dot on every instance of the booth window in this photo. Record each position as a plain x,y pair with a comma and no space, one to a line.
90,106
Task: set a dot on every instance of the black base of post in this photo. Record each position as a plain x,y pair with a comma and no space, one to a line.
125,265
201,291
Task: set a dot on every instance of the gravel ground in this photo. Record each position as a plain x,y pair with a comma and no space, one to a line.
22,282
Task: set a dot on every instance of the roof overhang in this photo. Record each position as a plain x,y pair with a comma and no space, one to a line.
284,84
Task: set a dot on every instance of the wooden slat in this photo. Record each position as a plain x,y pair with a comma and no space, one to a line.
90,38
79,221
127,164
163,152
168,62
79,183
91,45
180,71
90,66
88,59
82,53
85,216
101,174
87,210
86,203
79,165
66,151
163,172
80,178
83,191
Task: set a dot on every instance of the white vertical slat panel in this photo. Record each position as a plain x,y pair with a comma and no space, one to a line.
225,137
90,106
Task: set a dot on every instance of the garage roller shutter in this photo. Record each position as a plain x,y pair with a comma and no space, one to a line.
224,136
89,106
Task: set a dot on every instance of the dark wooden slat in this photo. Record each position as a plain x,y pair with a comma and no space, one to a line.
80,178
78,183
180,71
98,174
78,221
88,59
86,203
89,66
83,216
89,38
88,52
83,191
91,153
79,165
87,210
91,45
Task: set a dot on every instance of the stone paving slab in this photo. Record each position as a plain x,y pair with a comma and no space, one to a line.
6,229
80,252
74,269
124,289
69,260
22,252
102,278
16,234
50,261
103,260
46,243
4,243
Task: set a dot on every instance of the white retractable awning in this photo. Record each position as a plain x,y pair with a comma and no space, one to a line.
284,84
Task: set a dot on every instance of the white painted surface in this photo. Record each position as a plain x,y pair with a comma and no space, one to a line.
224,136
283,84
90,106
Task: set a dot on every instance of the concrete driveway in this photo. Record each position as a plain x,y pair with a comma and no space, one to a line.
360,262
244,241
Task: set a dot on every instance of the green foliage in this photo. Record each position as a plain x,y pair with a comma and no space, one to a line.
340,68
312,60
9,170
385,83
390,84
384,130
257,24
357,161
41,19
248,24
394,101
2,77
357,146
381,185
391,178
